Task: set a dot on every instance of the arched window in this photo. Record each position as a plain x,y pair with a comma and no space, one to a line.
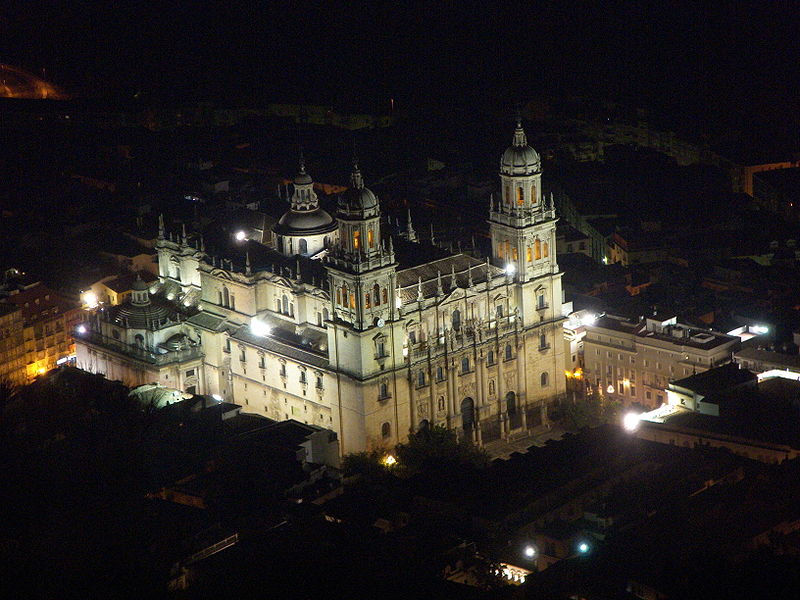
542,341
352,300
498,311
508,194
420,378
139,340
289,245
509,352
338,297
367,297
376,293
383,391
385,296
490,357
456,319
386,430
514,254
439,373
285,302
537,249
533,193
356,239
440,403
545,250
344,294
529,254
226,297
544,379
303,246
520,196
465,364
370,238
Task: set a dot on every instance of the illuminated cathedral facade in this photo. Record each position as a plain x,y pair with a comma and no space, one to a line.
337,324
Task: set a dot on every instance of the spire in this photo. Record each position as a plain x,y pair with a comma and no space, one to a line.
519,134
202,243
183,233
356,180
161,226
439,290
247,269
433,239
412,235
302,162
391,246
419,289
488,274
453,280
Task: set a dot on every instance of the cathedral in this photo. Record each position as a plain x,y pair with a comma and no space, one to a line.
333,322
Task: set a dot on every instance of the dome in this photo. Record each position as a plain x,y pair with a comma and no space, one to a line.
520,158
357,198
141,316
305,222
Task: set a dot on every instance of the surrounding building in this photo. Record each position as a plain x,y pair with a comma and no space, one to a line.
633,360
339,325
49,320
12,345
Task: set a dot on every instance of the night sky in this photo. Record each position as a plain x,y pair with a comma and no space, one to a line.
725,62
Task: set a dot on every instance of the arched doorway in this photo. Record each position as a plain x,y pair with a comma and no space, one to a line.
514,415
468,414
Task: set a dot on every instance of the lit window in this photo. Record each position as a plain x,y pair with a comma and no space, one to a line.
545,250
376,293
367,297
385,295
520,196
533,193
356,239
370,238
530,254
537,249
352,300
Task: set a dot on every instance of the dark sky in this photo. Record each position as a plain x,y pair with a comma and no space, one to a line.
732,58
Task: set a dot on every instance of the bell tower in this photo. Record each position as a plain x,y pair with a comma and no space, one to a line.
363,285
523,230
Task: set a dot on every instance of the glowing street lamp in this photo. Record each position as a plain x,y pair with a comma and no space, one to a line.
389,460
240,236
529,551
81,329
510,269
610,389
584,548
630,422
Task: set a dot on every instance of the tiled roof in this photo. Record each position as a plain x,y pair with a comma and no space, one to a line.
272,344
408,279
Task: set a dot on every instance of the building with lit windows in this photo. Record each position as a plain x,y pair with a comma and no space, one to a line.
48,320
335,323
634,360
12,345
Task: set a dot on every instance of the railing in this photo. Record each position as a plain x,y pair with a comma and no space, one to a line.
144,354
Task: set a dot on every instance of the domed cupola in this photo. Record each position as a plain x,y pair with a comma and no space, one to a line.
358,201
520,158
305,219
139,295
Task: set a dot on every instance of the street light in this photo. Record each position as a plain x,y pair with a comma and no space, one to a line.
584,548
529,551
510,269
630,422
240,235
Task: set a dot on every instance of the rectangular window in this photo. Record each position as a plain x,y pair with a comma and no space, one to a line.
283,370
319,382
242,355
190,373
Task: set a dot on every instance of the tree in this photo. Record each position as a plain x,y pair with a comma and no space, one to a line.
438,447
